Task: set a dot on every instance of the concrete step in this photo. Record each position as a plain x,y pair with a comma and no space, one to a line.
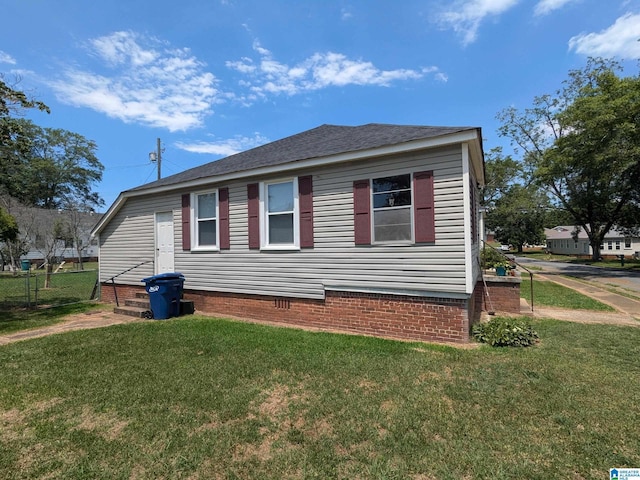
137,302
137,312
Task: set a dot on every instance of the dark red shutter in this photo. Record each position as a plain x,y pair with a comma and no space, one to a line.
253,202
424,217
223,209
305,201
186,222
362,212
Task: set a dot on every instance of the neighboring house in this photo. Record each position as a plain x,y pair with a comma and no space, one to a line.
53,233
369,229
560,240
64,247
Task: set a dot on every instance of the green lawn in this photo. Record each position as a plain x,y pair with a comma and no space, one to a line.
204,398
65,287
551,294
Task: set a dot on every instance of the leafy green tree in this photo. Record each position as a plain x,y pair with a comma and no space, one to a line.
14,141
517,217
582,145
8,226
555,216
500,173
59,167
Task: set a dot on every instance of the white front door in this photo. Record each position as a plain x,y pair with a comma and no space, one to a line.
164,242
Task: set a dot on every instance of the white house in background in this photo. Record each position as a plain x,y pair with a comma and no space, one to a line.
370,229
560,241
37,225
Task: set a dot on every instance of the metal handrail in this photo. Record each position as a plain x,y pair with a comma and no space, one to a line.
513,259
113,279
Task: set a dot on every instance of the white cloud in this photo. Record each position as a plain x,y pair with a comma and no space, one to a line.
345,14
620,39
465,16
148,83
6,58
224,147
321,70
547,6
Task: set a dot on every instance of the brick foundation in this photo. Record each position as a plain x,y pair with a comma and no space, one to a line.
124,291
504,294
394,316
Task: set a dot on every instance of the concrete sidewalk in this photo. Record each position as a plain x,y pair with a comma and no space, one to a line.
628,309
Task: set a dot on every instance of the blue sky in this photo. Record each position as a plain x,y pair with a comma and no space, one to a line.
214,77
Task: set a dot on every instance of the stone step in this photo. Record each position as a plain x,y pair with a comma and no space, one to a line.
137,312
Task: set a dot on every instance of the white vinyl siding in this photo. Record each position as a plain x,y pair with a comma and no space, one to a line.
334,262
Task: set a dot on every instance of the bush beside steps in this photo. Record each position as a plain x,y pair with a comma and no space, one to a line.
505,332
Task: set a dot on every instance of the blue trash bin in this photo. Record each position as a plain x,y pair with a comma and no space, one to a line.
26,265
165,292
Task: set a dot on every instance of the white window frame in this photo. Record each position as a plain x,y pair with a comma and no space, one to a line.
264,216
627,243
195,246
411,241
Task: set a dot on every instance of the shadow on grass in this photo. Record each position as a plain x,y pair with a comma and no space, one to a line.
13,320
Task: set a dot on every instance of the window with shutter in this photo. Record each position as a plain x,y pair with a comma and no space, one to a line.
394,209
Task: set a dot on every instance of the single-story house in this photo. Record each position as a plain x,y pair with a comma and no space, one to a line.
370,229
560,240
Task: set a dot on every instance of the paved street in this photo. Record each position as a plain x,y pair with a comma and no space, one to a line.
599,280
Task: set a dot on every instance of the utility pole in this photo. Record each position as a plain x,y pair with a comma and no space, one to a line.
157,157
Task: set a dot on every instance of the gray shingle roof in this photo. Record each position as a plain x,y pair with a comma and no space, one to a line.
318,142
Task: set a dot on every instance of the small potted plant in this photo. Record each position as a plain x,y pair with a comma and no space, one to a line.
501,267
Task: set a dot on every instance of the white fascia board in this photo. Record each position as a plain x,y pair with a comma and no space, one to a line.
466,202
451,139
113,209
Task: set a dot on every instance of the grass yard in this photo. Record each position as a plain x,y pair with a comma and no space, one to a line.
204,398
65,287
551,294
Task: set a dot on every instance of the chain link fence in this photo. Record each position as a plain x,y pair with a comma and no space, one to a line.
30,289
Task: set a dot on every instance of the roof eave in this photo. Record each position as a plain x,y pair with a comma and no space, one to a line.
470,135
